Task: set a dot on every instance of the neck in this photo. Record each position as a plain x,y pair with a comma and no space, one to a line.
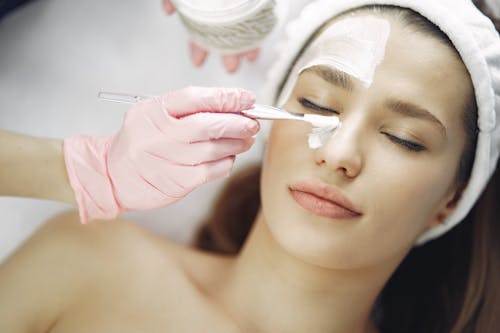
269,290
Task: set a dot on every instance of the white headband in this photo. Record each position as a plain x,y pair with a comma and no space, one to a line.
475,38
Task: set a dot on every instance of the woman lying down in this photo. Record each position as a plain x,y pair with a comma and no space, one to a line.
387,225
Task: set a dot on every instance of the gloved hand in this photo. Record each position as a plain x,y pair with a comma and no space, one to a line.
199,54
167,146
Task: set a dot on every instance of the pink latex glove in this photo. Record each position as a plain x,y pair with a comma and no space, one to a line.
199,54
167,146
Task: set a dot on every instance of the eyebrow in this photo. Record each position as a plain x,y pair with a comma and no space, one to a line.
345,81
333,76
412,110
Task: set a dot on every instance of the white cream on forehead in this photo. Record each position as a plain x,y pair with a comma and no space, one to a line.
355,46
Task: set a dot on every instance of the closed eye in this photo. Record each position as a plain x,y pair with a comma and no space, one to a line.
315,107
405,144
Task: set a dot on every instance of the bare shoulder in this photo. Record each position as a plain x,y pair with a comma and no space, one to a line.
108,246
64,260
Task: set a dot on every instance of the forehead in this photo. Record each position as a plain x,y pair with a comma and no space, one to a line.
415,64
404,46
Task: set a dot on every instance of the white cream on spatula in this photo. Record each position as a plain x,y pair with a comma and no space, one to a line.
322,131
323,126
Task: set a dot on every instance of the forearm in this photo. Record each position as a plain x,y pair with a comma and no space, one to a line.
33,167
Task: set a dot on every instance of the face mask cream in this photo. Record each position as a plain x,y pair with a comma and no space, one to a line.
323,126
322,130
353,45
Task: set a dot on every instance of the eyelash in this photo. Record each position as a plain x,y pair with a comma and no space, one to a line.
405,144
315,107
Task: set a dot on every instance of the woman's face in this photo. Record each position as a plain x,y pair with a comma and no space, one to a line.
394,157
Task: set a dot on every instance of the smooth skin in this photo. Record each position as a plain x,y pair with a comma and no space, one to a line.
33,167
298,272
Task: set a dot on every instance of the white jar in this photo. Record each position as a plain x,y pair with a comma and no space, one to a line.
230,26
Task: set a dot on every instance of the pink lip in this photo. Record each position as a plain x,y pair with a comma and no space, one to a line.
323,200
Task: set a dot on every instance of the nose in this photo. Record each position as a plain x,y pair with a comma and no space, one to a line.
342,153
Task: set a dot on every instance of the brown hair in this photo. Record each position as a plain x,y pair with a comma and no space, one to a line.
483,6
451,284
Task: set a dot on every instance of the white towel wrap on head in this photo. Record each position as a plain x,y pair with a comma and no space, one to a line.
478,43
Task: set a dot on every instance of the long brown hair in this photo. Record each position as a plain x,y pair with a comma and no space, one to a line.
451,284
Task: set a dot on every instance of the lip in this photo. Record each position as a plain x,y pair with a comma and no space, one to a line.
323,199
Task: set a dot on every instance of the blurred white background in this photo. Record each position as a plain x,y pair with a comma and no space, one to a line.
55,55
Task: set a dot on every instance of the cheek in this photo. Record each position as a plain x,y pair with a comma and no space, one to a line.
287,142
408,193
401,192
403,198
287,156
283,156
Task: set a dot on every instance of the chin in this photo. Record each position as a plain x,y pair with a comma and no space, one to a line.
304,238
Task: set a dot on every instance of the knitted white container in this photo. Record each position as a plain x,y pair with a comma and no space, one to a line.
230,26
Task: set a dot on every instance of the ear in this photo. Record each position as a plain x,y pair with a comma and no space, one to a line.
449,205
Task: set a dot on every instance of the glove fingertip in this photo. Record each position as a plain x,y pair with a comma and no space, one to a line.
252,127
247,99
222,168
